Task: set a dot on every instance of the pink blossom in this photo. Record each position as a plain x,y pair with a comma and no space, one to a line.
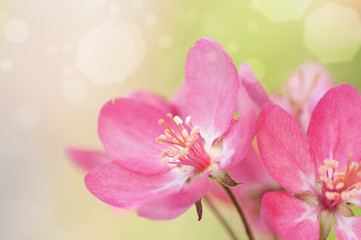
303,89
162,153
321,172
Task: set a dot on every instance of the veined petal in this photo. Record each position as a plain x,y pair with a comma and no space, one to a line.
253,86
284,150
172,206
87,159
290,218
127,129
238,138
213,84
120,187
348,228
335,127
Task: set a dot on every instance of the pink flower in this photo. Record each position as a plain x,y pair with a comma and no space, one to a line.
303,89
163,152
322,173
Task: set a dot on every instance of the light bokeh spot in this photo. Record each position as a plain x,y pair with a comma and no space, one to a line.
333,33
6,65
280,10
74,90
16,30
150,19
28,114
111,52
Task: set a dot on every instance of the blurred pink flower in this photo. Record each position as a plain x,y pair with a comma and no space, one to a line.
303,89
323,171
162,178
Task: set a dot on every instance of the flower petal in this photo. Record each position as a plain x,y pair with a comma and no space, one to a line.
151,99
87,159
335,127
174,205
348,228
253,86
127,129
251,171
238,138
289,217
284,150
213,83
308,83
120,187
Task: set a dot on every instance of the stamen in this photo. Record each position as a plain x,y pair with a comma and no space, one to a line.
186,146
340,186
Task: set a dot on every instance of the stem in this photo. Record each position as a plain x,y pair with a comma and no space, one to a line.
240,212
220,218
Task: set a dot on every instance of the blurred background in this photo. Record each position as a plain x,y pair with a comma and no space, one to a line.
60,61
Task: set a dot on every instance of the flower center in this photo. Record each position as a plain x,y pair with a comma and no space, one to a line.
185,144
339,186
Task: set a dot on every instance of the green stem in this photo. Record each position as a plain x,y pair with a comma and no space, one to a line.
240,212
220,218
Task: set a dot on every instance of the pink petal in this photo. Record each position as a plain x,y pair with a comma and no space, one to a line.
305,87
251,171
120,187
308,83
151,99
213,83
253,86
284,150
348,228
127,129
179,99
289,217
174,205
335,127
87,159
240,134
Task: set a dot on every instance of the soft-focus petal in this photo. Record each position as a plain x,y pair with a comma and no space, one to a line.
179,99
174,205
238,138
120,187
87,159
335,127
284,150
348,228
290,218
127,129
251,171
253,86
308,83
213,83
151,99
